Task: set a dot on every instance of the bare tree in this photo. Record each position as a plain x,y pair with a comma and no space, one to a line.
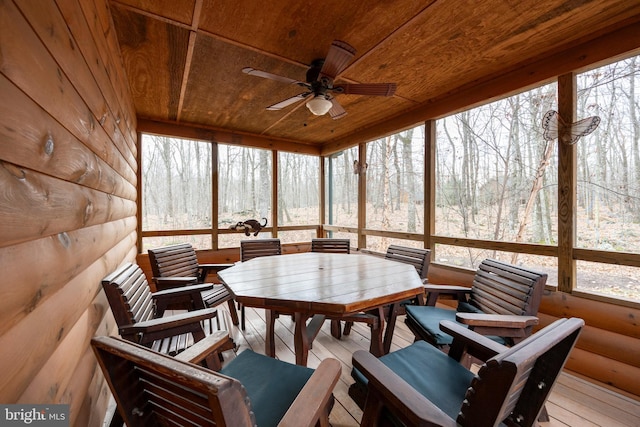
410,183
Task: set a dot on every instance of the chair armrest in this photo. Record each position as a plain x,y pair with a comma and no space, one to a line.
216,267
434,291
502,325
313,401
496,320
189,295
206,268
173,282
174,292
466,340
396,394
214,343
170,322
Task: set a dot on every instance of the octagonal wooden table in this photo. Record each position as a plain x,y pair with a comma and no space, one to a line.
318,286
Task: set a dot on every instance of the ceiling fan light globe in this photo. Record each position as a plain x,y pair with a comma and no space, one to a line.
319,105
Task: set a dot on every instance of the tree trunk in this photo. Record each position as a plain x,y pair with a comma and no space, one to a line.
410,186
537,185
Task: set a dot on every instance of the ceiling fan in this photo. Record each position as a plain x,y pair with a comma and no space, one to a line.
319,84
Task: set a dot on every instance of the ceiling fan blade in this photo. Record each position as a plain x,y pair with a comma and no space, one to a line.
266,75
371,89
340,54
280,105
337,111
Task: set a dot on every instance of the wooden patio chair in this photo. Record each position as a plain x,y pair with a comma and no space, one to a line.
419,258
503,302
177,265
139,313
420,385
250,249
334,246
254,248
152,389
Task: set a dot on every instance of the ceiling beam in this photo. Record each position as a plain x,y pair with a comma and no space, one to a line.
193,33
224,136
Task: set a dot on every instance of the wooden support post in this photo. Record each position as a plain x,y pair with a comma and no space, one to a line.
322,196
362,196
139,176
429,205
274,193
215,173
567,95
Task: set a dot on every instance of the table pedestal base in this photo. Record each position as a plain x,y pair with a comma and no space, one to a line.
306,331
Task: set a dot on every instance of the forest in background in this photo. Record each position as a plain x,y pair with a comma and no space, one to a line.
496,178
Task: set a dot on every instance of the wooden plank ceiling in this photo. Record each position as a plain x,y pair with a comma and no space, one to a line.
184,57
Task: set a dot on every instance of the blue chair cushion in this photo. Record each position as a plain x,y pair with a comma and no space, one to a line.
465,307
431,373
272,385
428,318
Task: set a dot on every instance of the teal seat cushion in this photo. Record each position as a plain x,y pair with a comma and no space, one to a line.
429,318
465,307
272,385
431,373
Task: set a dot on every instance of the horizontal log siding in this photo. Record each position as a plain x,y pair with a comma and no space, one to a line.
67,198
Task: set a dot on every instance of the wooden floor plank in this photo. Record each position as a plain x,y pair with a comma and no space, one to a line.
564,417
574,401
609,397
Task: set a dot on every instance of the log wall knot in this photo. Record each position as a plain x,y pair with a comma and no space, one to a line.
48,145
15,171
64,239
88,212
34,301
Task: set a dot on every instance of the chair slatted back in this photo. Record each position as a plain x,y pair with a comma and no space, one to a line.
500,288
417,257
514,385
129,295
154,389
173,261
335,246
250,249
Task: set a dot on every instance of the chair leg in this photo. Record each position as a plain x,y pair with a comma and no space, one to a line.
347,327
372,414
544,415
335,328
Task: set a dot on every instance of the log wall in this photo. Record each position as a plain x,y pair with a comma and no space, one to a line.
67,198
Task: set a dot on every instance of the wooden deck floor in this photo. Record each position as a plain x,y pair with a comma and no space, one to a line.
573,402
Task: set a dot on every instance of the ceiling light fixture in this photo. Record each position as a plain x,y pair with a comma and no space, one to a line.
319,105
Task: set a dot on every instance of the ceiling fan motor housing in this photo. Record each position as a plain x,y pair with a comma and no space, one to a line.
314,70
